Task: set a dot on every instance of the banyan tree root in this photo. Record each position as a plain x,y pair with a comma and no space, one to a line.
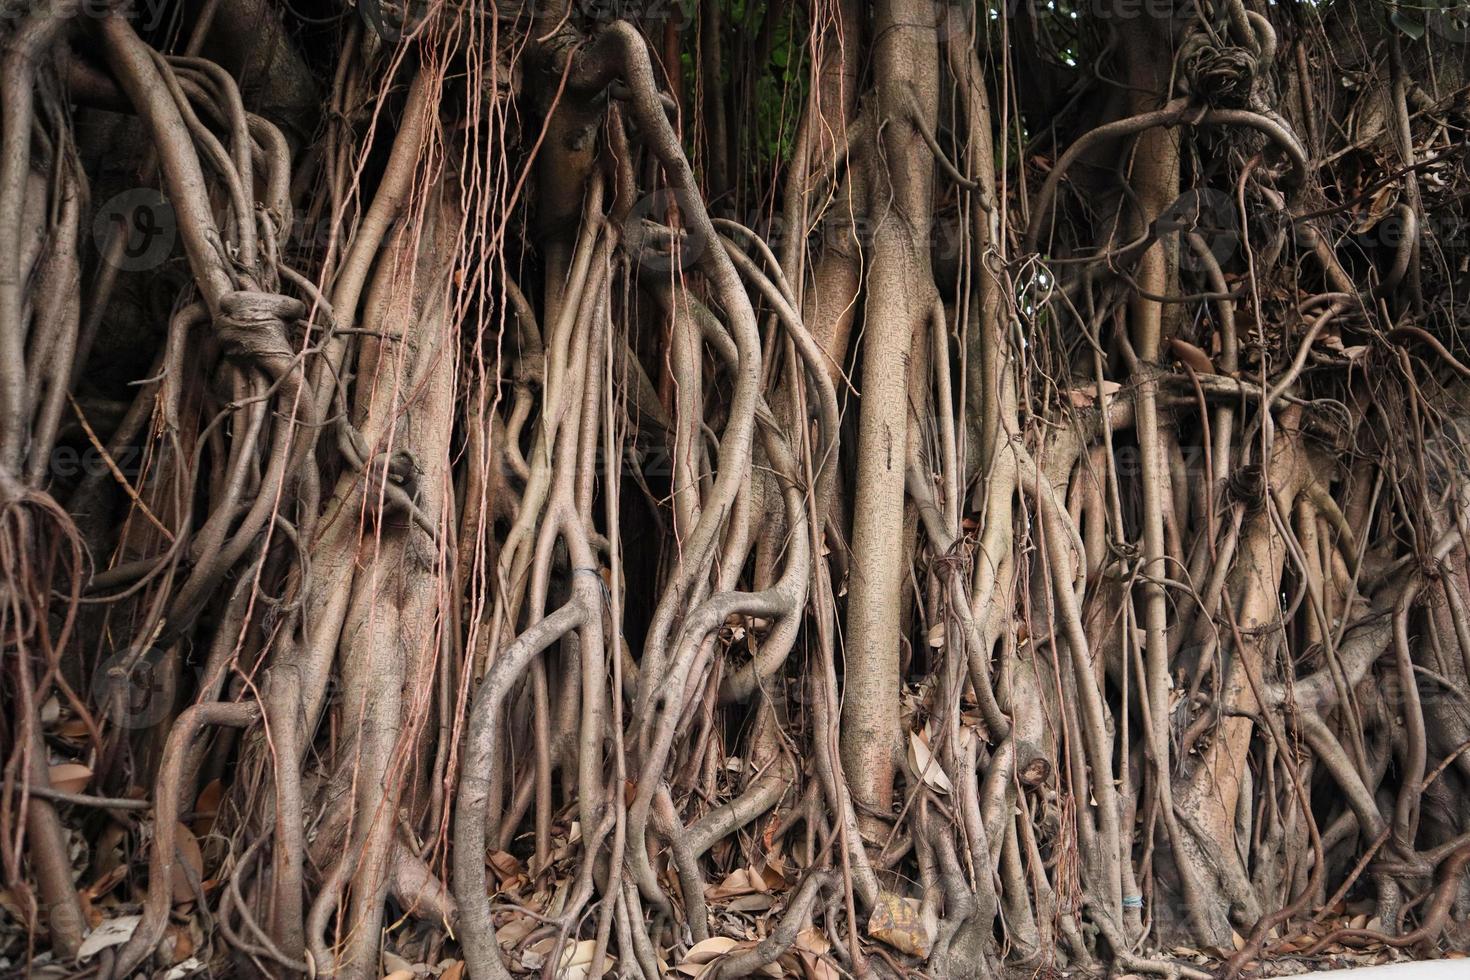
823,489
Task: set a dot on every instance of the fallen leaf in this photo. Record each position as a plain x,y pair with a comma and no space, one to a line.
70,777
187,855
177,945
742,881
1380,203
394,963
505,865
1186,353
576,961
184,969
113,932
514,931
73,728
902,923
697,960
814,967
810,947
924,765
1084,396
206,807
534,955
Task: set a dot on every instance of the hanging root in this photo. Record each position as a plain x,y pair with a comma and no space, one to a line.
510,489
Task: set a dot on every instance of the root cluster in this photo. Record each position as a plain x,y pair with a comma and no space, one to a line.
815,489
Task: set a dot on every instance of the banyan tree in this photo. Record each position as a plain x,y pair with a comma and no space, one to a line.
732,488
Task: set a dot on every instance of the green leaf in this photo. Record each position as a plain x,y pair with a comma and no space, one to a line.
1412,28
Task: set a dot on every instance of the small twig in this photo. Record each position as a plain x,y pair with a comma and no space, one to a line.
117,474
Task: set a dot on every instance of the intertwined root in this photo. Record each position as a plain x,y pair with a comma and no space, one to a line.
1033,536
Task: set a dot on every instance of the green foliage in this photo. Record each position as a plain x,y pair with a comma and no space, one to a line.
780,84
778,93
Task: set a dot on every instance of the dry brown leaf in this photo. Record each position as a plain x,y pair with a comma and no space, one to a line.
104,883
186,855
534,955
1084,396
936,636
206,807
394,963
576,961
773,872
1378,205
812,940
1186,353
506,865
69,777
925,766
513,931
741,881
902,923
113,932
188,968
177,945
702,955
811,944
73,728
813,967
